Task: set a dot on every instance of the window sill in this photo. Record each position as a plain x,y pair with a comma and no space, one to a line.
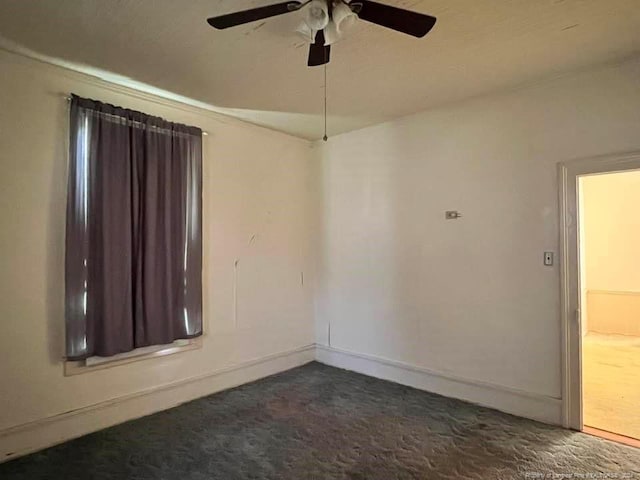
100,363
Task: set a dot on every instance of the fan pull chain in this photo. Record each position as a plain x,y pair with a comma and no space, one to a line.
325,138
326,60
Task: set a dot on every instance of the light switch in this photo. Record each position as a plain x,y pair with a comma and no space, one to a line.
548,258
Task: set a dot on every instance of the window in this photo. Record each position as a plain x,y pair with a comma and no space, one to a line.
134,242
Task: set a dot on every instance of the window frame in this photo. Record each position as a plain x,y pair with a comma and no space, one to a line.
77,367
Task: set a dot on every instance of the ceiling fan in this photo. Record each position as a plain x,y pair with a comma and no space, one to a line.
327,20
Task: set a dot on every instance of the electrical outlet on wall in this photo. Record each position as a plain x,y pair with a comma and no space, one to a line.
548,258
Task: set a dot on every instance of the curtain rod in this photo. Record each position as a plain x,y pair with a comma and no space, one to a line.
68,99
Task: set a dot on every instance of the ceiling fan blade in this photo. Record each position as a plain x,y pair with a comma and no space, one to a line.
399,19
319,54
247,16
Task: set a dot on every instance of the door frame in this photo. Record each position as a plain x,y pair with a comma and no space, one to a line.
570,298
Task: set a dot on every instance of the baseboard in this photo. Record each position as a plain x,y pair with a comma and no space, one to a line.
508,400
33,436
613,312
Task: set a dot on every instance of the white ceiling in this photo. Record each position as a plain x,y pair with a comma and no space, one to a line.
259,70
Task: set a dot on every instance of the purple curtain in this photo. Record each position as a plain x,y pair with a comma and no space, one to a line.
134,239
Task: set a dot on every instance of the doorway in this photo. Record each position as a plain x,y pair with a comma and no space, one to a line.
600,273
609,249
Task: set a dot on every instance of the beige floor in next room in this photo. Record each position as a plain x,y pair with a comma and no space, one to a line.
610,372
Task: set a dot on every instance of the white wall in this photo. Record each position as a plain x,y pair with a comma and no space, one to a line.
468,298
256,210
611,231
610,253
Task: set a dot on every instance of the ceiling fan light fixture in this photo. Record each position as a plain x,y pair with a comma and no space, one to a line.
343,17
317,15
306,32
331,33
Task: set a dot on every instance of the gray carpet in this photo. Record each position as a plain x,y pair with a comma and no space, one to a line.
318,422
